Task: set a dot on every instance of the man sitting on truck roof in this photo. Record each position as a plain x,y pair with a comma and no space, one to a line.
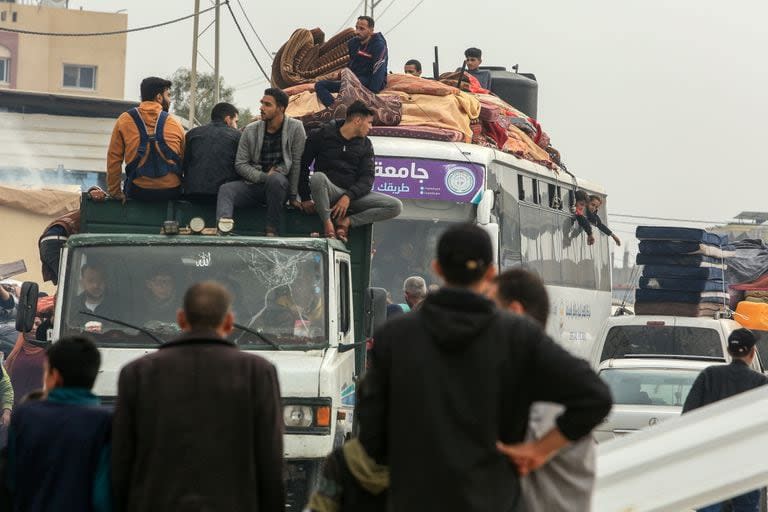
343,176
151,142
367,60
209,154
267,160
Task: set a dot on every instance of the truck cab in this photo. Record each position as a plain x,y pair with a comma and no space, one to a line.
298,302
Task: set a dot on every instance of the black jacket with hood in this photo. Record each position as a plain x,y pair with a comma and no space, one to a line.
348,163
450,380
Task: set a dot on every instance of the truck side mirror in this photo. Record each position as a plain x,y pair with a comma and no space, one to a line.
26,310
375,310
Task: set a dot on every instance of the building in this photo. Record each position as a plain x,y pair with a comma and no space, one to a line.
83,66
48,139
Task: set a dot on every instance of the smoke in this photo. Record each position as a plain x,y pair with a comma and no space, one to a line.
39,151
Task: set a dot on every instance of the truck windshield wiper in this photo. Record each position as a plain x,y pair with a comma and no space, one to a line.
262,337
126,324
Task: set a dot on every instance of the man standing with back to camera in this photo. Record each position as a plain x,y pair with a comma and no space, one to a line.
450,389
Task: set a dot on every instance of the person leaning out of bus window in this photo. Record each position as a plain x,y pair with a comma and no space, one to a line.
579,210
151,142
594,204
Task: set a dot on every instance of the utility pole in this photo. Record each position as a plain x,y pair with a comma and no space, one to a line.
365,8
216,57
193,75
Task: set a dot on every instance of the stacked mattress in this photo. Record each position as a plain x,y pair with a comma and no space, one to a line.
683,273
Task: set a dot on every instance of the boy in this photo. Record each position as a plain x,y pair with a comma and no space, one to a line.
579,210
58,448
595,202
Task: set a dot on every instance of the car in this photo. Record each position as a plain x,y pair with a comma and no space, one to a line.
647,390
677,336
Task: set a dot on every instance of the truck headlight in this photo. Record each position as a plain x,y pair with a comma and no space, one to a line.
297,416
307,415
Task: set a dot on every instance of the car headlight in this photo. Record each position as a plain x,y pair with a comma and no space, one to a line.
297,416
307,415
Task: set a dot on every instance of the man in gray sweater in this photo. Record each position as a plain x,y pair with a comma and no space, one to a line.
268,159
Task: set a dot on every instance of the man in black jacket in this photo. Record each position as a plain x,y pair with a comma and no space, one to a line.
209,154
719,382
343,176
451,386
198,423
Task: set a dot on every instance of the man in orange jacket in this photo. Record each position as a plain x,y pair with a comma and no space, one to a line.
151,142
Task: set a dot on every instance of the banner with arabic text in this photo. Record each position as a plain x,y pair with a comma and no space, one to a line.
407,178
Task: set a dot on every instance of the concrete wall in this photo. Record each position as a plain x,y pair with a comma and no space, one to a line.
39,60
25,215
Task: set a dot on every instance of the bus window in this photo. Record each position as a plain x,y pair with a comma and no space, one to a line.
555,200
527,189
544,193
536,192
520,188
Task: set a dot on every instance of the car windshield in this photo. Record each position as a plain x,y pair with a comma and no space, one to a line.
661,340
278,291
665,387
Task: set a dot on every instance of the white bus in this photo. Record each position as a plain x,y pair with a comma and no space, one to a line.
523,206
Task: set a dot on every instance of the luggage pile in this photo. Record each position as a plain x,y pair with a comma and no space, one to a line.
408,106
683,273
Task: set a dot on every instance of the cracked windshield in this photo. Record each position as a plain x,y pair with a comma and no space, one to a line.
278,293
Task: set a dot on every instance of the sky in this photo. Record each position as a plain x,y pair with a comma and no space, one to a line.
661,102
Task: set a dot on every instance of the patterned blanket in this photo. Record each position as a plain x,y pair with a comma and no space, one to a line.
307,57
386,109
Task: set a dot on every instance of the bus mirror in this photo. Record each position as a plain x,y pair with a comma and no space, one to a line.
26,310
485,207
375,309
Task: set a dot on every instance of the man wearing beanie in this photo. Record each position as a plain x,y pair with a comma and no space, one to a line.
719,382
451,385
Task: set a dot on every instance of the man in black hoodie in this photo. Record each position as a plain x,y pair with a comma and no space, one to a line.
451,386
343,176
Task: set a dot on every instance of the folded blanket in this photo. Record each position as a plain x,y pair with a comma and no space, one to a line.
642,295
690,260
759,284
307,57
298,89
691,285
416,85
677,308
386,109
668,247
451,112
418,132
680,235
681,272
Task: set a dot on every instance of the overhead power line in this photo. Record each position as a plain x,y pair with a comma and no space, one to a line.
642,217
356,10
404,17
98,34
234,18
269,53
384,10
